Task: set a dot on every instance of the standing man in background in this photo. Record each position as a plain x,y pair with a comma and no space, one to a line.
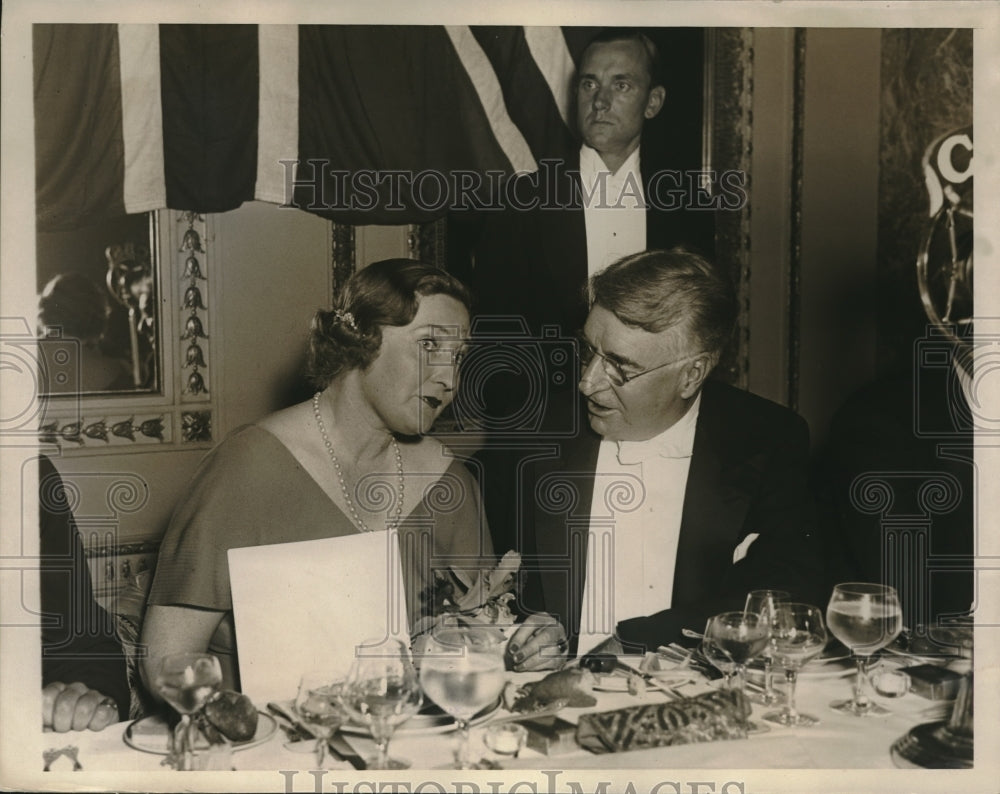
599,205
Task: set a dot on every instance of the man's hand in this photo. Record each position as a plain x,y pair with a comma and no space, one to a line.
538,644
75,707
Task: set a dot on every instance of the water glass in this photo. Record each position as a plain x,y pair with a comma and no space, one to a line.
797,635
463,672
865,617
186,681
763,603
382,691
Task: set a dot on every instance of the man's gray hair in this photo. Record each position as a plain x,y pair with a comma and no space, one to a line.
659,290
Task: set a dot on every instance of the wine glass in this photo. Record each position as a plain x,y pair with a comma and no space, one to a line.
797,635
865,617
763,602
719,659
186,681
382,691
736,637
463,672
317,705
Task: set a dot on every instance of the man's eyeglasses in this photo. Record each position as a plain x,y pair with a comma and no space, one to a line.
612,368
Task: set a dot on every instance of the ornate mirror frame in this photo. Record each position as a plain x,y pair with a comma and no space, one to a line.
181,412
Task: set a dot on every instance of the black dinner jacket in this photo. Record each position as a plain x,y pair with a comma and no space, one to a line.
747,474
896,484
533,263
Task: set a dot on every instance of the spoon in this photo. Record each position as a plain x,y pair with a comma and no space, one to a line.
691,634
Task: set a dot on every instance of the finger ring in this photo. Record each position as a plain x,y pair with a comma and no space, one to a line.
562,645
108,702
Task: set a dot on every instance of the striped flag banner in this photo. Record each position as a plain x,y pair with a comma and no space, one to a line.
362,124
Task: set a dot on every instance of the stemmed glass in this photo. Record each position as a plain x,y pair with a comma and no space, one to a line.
317,705
736,637
719,659
763,602
382,691
797,635
865,617
463,672
186,681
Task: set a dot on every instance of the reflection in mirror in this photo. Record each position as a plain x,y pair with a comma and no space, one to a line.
97,319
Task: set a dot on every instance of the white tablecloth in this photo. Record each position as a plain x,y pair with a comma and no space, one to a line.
838,741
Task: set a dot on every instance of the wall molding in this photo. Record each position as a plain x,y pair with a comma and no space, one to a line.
181,415
728,125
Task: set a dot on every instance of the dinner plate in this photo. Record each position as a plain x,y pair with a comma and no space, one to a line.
151,734
430,719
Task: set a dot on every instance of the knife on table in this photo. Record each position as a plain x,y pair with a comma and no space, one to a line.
342,749
608,662
339,747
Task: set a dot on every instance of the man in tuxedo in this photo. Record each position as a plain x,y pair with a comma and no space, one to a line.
684,493
582,212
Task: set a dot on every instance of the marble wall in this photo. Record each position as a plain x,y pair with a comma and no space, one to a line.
926,92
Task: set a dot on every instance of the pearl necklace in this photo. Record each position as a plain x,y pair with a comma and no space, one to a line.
340,477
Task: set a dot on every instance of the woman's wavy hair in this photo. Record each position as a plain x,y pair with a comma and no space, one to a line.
349,336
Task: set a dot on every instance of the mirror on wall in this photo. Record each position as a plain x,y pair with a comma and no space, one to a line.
97,323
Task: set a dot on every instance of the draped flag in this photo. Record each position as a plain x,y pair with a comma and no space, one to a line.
362,124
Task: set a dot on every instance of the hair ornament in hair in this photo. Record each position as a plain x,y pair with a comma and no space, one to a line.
346,318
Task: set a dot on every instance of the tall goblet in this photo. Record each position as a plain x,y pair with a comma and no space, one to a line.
797,635
317,705
186,681
463,672
865,617
382,691
763,603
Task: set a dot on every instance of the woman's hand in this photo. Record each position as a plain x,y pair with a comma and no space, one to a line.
76,707
538,644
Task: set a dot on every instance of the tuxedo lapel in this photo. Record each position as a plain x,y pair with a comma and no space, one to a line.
715,504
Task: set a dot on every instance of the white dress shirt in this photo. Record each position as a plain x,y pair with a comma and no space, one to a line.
614,209
635,521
